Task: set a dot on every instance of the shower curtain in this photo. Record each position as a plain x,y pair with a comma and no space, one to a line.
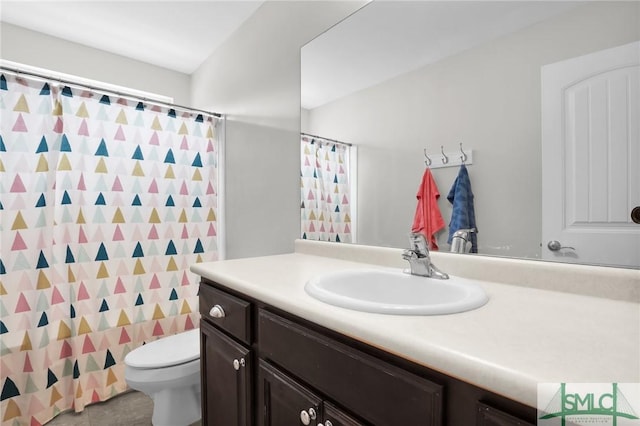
324,210
105,202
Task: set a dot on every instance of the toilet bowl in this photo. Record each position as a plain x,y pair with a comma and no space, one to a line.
168,370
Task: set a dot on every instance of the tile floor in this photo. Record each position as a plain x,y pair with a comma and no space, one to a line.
129,409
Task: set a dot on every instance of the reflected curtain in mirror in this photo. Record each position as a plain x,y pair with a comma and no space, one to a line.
325,212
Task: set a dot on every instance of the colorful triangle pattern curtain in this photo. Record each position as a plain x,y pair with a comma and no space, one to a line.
324,191
104,205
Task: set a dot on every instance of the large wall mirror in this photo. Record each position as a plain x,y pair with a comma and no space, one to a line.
397,78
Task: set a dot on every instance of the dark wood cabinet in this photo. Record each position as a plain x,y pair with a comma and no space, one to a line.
228,313
226,379
333,416
377,391
262,366
284,401
490,416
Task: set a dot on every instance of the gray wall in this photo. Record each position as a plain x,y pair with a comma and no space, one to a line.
254,77
488,98
28,47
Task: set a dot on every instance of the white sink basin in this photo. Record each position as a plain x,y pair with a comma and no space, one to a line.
397,293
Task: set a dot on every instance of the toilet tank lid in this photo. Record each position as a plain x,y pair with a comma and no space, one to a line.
166,351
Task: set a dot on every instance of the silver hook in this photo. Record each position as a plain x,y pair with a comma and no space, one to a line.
427,162
445,159
463,157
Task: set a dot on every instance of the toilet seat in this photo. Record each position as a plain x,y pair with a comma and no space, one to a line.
174,376
166,352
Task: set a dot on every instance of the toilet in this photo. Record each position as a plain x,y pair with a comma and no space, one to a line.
168,370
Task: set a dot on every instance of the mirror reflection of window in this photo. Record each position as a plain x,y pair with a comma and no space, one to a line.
325,190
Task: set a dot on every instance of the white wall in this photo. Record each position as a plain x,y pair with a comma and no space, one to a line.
19,44
487,98
254,78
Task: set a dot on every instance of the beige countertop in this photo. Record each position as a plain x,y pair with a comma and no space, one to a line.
523,336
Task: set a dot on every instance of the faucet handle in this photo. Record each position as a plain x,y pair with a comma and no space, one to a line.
419,244
409,254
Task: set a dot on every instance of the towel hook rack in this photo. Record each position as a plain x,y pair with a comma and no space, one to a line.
457,157
427,160
463,157
444,159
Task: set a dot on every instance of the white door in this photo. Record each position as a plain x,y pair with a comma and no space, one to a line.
591,158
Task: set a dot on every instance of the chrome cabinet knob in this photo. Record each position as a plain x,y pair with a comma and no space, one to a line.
217,312
304,417
555,245
237,363
307,415
328,423
312,413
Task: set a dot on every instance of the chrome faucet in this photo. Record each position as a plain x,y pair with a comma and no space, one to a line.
461,240
419,259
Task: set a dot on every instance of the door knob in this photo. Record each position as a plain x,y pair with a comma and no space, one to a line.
635,214
555,245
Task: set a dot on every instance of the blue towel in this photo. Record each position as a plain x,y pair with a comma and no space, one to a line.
463,214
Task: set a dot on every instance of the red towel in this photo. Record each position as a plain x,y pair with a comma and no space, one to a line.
428,219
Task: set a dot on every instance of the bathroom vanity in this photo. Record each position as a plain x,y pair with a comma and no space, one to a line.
272,355
263,366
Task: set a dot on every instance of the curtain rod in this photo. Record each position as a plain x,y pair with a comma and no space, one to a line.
327,139
132,96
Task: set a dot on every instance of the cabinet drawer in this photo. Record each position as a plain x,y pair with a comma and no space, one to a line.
237,312
379,392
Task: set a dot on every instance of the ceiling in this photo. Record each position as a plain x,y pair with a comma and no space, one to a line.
385,39
176,34
382,40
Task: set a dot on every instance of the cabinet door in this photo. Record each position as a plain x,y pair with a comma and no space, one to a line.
226,379
489,416
333,416
283,401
